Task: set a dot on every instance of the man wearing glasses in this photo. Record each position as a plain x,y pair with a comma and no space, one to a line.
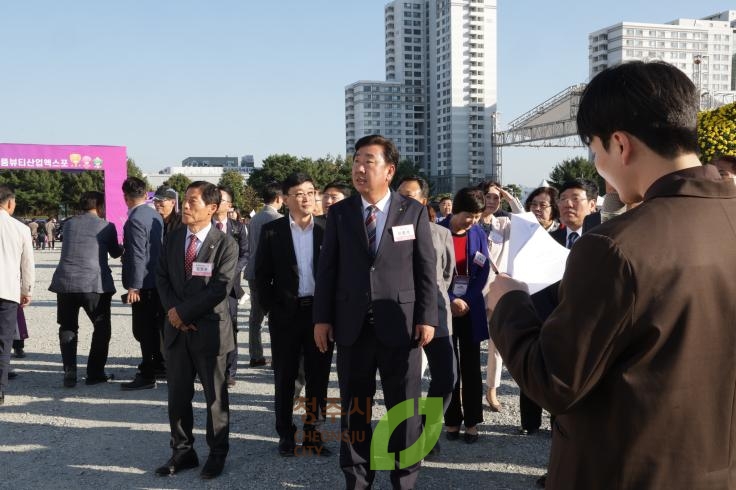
285,273
576,203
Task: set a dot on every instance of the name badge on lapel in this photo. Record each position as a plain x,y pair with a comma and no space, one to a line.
202,269
403,232
479,259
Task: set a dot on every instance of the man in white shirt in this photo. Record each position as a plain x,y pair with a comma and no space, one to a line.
16,262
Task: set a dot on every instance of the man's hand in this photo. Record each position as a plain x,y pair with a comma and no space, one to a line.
323,336
25,300
423,334
174,319
501,285
459,307
133,296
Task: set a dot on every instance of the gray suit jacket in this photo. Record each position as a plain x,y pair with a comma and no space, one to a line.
199,301
142,234
265,215
445,250
83,268
398,284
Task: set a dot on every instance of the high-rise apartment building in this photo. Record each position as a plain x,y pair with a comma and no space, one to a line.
705,49
440,95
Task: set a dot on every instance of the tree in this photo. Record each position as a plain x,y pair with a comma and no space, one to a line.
576,168
233,180
717,132
406,168
323,170
134,171
251,201
38,192
178,182
514,190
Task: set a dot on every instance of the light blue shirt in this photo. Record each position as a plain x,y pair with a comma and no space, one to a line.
381,215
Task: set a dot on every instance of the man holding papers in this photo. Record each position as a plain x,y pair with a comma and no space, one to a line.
637,360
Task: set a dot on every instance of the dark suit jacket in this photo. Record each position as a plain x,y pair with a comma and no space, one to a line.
399,284
200,301
239,233
142,236
83,267
638,358
277,274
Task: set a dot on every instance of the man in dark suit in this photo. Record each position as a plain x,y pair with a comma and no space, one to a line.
239,233
142,236
83,280
577,203
273,200
376,296
637,360
194,277
285,275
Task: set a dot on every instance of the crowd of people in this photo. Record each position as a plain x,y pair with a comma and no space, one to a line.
616,351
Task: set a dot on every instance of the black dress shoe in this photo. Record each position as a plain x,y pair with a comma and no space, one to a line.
19,354
257,362
12,375
471,438
95,380
286,446
70,378
452,436
527,432
542,481
178,462
139,383
213,467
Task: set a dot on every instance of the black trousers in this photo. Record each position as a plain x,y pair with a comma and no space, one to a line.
147,325
442,368
8,321
289,339
97,308
184,361
399,368
467,398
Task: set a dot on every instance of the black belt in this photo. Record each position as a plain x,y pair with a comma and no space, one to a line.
305,301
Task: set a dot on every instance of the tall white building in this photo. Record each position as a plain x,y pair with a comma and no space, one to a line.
705,49
440,95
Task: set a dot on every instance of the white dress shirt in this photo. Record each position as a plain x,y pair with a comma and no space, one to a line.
304,250
201,235
381,215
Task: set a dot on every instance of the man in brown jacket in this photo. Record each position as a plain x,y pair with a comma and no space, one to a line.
637,360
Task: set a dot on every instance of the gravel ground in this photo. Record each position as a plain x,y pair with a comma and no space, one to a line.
102,437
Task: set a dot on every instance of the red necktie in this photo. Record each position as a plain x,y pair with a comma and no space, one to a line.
190,256
219,225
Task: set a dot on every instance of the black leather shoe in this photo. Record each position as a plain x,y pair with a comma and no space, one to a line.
139,383
70,378
470,438
12,375
527,432
286,446
452,436
213,467
160,372
95,380
257,362
19,354
542,481
178,462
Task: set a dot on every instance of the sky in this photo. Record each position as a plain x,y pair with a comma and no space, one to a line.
170,79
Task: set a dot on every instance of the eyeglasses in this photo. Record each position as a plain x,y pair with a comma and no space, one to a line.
539,205
332,197
225,200
303,195
572,200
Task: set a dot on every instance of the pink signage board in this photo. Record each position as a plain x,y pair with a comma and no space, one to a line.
112,160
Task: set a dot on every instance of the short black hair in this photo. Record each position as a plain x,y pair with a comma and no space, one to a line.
390,152
469,200
423,185
653,101
445,199
342,187
6,193
551,192
226,189
294,179
91,200
590,187
271,192
134,188
210,192
487,185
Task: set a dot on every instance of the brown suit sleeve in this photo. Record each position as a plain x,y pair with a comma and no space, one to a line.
557,363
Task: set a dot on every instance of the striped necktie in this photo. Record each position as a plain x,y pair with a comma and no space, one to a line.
370,228
572,238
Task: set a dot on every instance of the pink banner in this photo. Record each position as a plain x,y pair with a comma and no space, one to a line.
112,160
